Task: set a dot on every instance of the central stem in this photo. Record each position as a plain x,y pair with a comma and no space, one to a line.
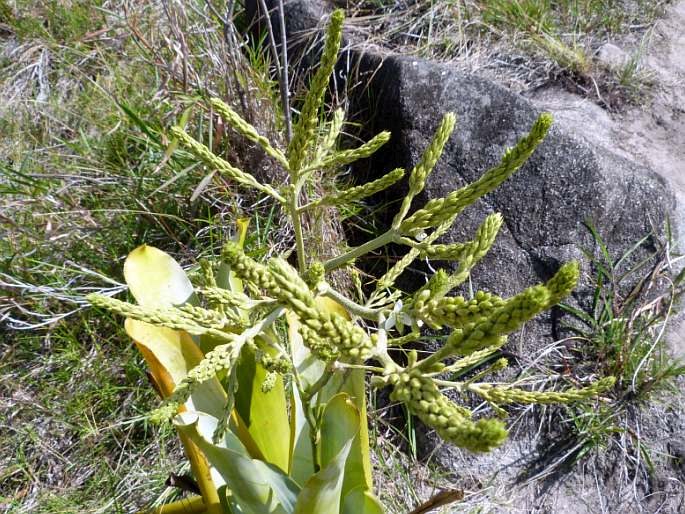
293,208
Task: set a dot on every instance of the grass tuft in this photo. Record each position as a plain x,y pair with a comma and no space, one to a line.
623,333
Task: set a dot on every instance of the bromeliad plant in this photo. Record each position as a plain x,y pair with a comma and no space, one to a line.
263,366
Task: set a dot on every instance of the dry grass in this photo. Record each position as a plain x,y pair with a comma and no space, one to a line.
524,44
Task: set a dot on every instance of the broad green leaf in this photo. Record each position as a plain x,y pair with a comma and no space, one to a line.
301,458
336,416
265,414
170,354
257,487
339,423
155,279
227,501
361,501
352,382
309,369
321,494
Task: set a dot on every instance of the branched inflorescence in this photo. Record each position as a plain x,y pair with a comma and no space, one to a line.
478,324
329,335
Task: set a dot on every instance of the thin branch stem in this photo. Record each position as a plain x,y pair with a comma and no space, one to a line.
297,227
364,367
458,386
350,305
358,251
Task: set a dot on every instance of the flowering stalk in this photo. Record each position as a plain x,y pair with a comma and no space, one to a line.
240,371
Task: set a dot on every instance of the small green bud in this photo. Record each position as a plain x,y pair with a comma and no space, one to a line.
315,275
164,413
269,381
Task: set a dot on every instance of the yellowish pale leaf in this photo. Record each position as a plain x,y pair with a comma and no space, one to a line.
155,279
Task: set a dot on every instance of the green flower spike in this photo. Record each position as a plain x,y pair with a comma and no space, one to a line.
455,311
417,179
194,320
303,131
514,312
345,157
451,422
500,395
221,358
215,162
439,210
356,193
233,119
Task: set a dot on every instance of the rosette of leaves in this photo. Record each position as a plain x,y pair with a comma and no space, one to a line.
274,420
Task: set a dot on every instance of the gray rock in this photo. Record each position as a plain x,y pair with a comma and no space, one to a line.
301,17
566,182
611,56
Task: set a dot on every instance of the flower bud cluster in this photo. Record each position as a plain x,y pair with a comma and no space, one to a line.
269,381
328,335
515,311
206,317
315,275
349,339
327,143
345,157
246,268
225,297
472,251
319,346
280,364
417,179
455,311
452,422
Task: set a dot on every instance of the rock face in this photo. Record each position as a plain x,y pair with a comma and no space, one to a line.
612,56
301,17
545,204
